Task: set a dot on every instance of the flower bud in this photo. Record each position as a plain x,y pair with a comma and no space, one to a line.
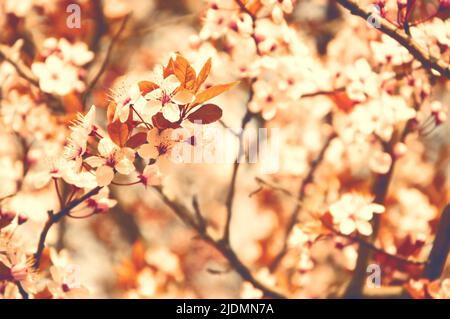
22,219
19,272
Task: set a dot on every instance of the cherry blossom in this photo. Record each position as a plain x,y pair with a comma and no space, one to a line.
353,212
111,158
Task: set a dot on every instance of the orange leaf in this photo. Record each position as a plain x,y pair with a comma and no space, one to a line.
255,7
118,132
207,114
204,72
138,254
213,91
72,103
147,86
110,111
185,73
342,101
168,70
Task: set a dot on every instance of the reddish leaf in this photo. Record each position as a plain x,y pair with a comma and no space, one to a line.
161,123
207,114
138,254
43,294
5,272
137,140
342,101
119,132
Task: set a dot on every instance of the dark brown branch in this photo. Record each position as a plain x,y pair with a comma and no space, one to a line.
379,189
198,214
428,61
323,92
374,248
22,291
223,247
301,194
441,247
232,187
55,218
245,120
273,186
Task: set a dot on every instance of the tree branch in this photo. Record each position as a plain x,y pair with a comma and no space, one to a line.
22,69
441,247
301,194
221,245
379,189
105,62
232,187
428,61
374,248
55,218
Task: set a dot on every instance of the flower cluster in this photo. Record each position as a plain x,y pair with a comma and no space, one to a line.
147,120
260,45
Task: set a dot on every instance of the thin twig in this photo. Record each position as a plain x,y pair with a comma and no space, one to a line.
55,218
322,92
198,214
105,62
273,186
232,186
22,291
22,69
245,9
301,194
374,248
223,247
379,189
428,61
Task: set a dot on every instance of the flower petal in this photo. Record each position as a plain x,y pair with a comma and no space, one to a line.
171,112
347,226
104,175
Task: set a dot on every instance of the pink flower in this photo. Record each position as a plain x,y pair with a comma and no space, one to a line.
77,142
97,204
125,99
112,158
160,143
151,175
353,212
166,97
